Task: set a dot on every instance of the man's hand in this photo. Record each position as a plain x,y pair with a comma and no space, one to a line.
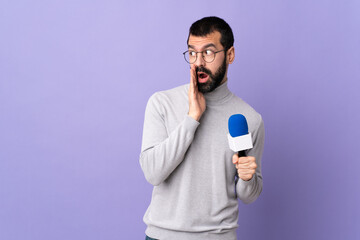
197,104
245,166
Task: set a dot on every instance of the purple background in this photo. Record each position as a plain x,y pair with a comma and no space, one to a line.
75,77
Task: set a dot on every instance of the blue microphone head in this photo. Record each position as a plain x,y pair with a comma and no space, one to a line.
238,125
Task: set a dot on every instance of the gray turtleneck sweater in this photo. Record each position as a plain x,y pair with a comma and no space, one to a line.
190,165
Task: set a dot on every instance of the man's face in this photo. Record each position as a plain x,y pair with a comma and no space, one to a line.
209,75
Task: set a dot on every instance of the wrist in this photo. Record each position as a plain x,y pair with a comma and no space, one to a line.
195,117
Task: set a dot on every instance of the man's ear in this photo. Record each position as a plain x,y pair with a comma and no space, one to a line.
230,55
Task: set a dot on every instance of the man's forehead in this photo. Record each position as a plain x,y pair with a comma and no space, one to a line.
200,42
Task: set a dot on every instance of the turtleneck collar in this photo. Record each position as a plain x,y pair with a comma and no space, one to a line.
220,95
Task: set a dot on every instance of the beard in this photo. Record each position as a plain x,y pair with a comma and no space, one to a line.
214,79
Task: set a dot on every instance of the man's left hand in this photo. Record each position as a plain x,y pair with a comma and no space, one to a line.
245,166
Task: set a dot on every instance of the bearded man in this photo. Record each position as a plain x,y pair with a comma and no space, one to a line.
185,154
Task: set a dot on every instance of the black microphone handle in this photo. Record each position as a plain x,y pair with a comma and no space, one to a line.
242,153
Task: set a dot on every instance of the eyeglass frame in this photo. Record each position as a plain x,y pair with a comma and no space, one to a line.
202,54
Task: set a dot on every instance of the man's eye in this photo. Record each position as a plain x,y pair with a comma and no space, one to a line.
192,53
209,52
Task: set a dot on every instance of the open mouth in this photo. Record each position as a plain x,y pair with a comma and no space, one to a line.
202,77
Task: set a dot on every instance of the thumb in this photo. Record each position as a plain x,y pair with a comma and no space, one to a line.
235,159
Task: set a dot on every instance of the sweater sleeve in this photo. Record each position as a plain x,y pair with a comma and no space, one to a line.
161,152
249,191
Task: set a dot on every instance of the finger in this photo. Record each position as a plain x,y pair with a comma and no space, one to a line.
246,159
193,77
246,177
243,166
246,171
235,159
243,160
242,173
250,165
191,87
253,165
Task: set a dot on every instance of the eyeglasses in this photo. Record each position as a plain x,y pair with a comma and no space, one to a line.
208,55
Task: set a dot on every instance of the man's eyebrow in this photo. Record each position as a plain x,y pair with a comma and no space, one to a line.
206,46
210,45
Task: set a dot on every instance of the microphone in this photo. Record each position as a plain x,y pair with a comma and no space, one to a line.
239,136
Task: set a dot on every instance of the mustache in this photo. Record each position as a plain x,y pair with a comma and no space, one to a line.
203,69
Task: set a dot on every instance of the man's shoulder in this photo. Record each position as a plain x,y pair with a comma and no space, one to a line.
175,90
251,115
172,93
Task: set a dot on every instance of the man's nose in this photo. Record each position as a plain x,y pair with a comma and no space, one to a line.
199,60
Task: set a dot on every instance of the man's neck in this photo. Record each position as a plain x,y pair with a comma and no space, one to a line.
224,80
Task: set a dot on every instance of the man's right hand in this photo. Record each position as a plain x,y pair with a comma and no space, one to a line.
197,103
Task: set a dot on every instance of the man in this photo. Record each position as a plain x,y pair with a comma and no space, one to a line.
185,152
